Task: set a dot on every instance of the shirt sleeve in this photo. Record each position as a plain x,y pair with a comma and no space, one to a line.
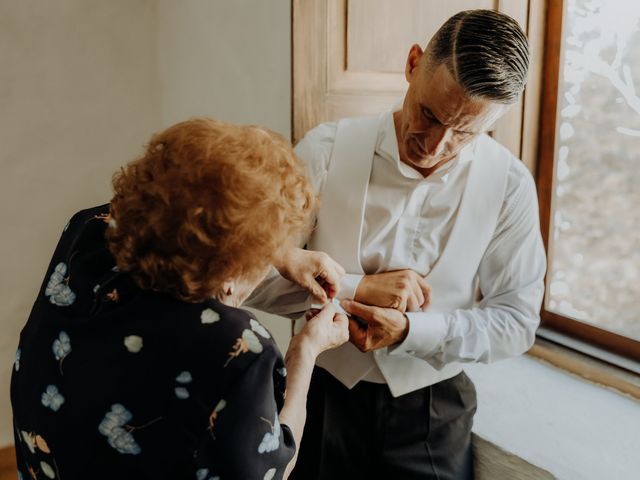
511,282
245,438
280,296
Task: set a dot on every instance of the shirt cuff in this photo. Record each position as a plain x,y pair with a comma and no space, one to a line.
349,285
427,332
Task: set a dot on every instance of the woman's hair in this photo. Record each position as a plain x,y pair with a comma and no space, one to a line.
208,202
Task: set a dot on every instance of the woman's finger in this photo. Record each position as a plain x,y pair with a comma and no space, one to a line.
317,290
332,279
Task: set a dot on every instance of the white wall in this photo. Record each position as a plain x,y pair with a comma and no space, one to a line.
227,59
84,83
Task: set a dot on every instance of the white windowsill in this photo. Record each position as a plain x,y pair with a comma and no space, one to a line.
558,422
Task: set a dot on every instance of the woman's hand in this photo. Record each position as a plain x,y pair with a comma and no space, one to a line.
324,331
315,271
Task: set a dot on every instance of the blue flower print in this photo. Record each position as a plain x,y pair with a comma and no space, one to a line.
181,391
52,398
114,427
62,346
20,477
282,371
57,289
17,362
271,440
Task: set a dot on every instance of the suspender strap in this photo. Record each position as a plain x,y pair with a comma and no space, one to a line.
339,227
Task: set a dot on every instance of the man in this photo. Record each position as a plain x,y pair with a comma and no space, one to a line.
437,227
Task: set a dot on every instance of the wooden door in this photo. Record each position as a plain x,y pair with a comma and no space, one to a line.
349,58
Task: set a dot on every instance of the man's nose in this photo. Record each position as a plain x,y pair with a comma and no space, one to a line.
436,139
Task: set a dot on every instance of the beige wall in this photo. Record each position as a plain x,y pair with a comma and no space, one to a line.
83,84
226,59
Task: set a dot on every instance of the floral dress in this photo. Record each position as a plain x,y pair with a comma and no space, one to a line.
114,382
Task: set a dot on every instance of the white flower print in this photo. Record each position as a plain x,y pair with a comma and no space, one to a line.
62,345
252,342
202,473
271,440
47,470
57,289
29,440
114,427
282,371
133,343
17,362
259,329
181,391
20,477
52,398
270,474
247,343
209,316
214,415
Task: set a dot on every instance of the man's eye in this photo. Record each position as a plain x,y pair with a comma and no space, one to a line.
462,134
427,114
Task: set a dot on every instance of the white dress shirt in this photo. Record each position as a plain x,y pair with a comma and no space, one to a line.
407,221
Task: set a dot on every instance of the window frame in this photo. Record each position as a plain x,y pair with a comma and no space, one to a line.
599,337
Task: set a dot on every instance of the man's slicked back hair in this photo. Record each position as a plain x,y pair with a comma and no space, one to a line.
486,52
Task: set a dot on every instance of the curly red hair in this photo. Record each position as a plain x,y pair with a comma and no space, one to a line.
208,202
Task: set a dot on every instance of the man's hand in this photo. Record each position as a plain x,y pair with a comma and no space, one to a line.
403,290
381,326
315,271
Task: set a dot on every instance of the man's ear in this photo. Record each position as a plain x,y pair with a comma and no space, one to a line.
413,61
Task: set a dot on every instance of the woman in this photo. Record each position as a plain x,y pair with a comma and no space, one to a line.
136,361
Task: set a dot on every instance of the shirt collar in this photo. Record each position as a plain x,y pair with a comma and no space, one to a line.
387,148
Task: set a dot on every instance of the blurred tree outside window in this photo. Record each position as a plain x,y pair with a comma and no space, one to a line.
594,242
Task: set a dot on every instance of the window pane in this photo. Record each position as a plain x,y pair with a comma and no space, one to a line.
594,270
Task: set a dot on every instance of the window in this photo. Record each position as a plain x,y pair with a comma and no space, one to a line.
589,172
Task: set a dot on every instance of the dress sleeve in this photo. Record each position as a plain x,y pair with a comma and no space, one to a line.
244,438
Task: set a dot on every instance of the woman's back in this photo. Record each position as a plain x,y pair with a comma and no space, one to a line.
110,378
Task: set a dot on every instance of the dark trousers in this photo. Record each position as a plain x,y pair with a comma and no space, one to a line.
367,433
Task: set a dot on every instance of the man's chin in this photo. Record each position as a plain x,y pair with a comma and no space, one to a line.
422,162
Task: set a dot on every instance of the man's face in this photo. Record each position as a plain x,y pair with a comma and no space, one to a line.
437,118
